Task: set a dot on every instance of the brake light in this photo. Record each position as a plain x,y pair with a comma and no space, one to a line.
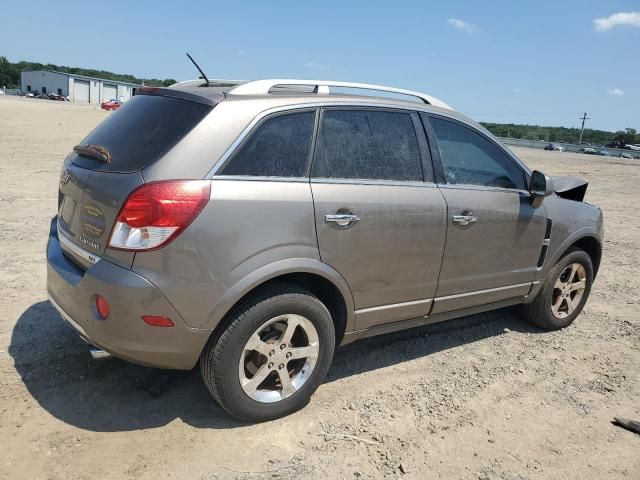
156,213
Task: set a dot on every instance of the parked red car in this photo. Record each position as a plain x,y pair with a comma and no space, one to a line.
112,104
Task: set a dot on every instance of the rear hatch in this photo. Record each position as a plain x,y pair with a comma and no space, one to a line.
105,167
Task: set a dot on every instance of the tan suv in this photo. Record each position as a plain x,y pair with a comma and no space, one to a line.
255,226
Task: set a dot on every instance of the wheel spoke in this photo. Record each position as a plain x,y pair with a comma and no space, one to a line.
254,382
304,352
285,381
559,283
570,306
292,324
565,302
556,305
574,269
580,285
256,343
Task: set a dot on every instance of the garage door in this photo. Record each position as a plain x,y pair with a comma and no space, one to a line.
81,91
109,92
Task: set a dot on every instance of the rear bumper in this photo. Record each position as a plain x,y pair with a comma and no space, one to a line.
123,334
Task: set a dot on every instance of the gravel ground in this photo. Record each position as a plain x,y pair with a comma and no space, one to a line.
487,396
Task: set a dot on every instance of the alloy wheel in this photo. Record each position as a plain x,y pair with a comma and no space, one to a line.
568,290
278,358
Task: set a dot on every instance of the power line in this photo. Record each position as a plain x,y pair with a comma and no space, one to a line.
584,118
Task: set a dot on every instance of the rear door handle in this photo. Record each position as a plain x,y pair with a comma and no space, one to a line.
465,219
342,219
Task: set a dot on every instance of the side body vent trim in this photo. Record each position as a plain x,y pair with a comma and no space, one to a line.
545,243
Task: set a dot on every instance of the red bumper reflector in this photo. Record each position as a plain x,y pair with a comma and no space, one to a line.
102,307
157,321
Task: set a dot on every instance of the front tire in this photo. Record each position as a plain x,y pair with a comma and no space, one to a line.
563,293
272,353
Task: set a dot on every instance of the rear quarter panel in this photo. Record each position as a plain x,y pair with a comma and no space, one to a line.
246,226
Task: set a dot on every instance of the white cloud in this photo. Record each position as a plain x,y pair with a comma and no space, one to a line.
462,25
317,66
623,18
615,92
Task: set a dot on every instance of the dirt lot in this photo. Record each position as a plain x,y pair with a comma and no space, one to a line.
483,397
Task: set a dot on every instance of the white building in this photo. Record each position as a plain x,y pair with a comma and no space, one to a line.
77,87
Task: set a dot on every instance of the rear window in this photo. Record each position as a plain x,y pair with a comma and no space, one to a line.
140,131
280,147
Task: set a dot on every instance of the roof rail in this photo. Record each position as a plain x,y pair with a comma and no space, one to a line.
323,87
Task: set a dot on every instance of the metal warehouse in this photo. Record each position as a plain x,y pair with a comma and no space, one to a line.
77,87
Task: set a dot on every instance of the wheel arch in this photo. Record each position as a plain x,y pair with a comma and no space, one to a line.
593,247
587,241
317,277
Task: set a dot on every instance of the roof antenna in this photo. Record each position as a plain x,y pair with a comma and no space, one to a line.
199,69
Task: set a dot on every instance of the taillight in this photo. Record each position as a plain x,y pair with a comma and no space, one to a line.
156,213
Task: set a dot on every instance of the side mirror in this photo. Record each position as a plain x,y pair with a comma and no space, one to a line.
540,186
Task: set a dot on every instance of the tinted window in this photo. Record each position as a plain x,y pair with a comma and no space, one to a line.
469,158
140,131
367,144
280,147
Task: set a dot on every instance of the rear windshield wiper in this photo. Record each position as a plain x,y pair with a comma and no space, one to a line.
97,152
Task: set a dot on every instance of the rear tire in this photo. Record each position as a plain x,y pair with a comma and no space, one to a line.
270,356
563,293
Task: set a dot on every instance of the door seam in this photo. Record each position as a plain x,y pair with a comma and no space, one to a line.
444,245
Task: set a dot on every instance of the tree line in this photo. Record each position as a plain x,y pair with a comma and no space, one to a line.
10,74
561,134
10,78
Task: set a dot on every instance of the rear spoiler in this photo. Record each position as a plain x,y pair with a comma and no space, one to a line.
182,95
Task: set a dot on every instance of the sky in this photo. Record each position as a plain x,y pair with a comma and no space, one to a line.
542,62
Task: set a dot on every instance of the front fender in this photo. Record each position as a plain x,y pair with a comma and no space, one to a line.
552,259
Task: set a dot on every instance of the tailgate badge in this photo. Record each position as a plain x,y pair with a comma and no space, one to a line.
89,243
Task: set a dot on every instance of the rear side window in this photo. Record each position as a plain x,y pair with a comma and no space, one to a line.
469,158
140,131
367,144
280,147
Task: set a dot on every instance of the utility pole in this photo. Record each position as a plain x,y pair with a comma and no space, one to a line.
583,118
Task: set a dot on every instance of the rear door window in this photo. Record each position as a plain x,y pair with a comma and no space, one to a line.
367,144
279,147
469,158
140,131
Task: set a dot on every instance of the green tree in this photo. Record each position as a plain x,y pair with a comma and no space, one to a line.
9,75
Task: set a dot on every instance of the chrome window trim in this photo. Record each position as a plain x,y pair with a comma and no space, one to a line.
300,106
470,186
367,181
249,178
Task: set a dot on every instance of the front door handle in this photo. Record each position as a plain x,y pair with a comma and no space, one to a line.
342,219
464,219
